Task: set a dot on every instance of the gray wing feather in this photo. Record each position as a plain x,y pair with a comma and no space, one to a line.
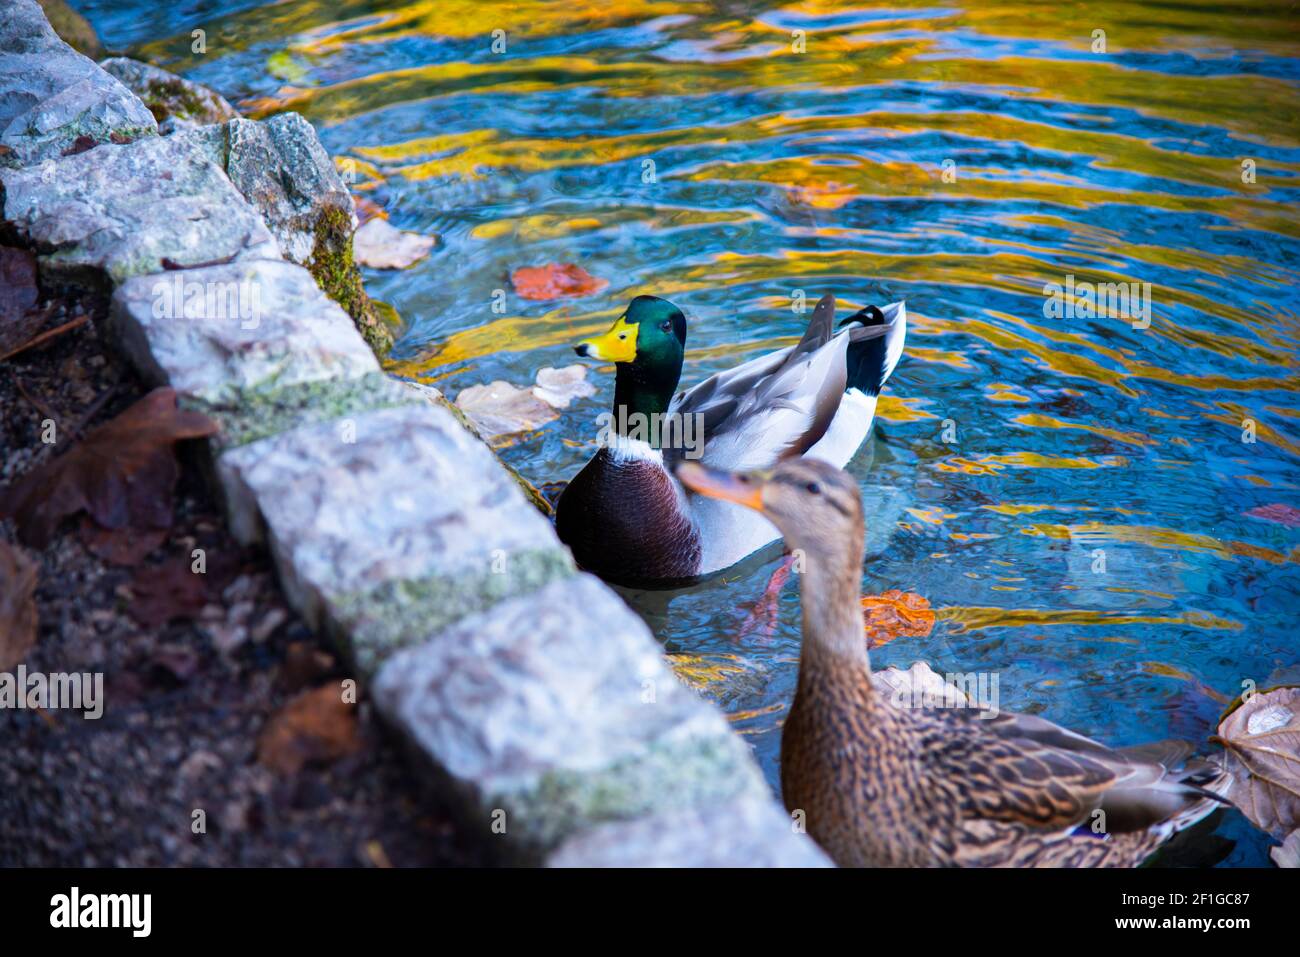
734,401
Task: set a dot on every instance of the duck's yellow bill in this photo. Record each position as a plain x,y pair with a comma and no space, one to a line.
741,489
617,345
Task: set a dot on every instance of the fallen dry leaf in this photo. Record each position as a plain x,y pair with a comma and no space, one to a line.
121,546
1261,738
304,664
123,473
169,590
558,387
17,283
18,295
17,605
1277,512
895,613
315,727
555,281
379,245
499,408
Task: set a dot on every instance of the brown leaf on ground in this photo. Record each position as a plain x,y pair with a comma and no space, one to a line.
1261,737
121,546
123,473
555,281
18,296
17,605
315,727
896,613
17,283
80,145
169,590
304,664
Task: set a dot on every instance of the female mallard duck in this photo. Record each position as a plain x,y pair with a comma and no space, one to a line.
881,784
626,517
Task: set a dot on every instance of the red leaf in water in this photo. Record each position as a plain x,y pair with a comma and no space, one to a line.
317,727
555,281
17,605
895,613
1277,512
123,473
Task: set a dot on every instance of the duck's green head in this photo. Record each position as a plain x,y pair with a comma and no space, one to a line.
652,332
646,344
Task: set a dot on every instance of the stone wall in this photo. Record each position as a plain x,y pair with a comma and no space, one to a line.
528,688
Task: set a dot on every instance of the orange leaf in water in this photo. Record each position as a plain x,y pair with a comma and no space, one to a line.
367,209
315,727
123,473
17,605
555,280
896,613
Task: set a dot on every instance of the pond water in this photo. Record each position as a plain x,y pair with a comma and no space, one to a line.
1072,494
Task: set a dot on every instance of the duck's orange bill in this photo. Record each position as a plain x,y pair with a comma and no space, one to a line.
741,489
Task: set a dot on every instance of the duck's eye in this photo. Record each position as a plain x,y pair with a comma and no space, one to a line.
666,325
813,488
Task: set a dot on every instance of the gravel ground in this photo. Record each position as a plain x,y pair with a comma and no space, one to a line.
185,701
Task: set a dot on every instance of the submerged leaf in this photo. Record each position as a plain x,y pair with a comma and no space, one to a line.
1277,512
379,245
500,408
559,387
123,473
315,727
896,613
17,605
555,281
919,683
1262,740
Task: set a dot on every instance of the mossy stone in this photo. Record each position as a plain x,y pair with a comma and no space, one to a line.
397,614
339,278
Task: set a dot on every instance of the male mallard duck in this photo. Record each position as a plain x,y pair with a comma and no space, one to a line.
885,785
626,517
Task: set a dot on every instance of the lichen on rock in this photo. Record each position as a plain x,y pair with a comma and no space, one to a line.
174,101
54,99
400,613
247,415
280,166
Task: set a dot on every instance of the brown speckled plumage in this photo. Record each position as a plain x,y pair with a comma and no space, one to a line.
880,784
